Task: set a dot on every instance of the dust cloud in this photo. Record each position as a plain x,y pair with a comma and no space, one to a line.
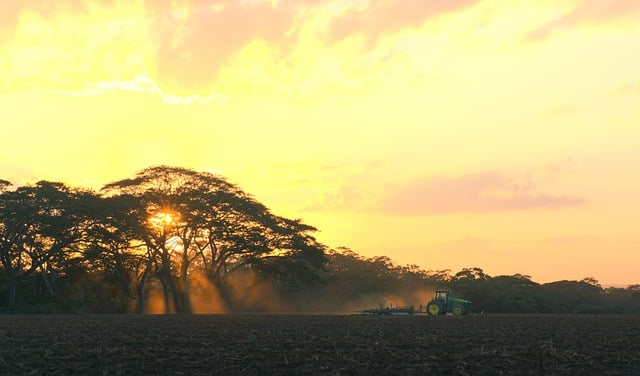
246,293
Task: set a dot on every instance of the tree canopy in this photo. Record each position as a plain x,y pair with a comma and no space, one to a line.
167,225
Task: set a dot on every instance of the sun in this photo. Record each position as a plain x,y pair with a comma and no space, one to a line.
166,218
162,219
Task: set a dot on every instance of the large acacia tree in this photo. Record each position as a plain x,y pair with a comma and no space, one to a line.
196,223
42,227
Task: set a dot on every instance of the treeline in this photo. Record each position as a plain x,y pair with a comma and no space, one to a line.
168,240
173,240
519,294
353,282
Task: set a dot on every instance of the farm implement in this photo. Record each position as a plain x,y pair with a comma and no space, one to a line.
386,311
441,304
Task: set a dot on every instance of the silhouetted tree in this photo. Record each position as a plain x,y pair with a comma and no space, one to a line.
41,227
573,296
116,251
191,222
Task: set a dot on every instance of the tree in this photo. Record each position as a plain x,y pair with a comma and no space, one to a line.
573,296
114,251
40,227
4,185
195,222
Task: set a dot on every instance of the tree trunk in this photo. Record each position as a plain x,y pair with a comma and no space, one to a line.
47,283
186,298
141,297
165,280
11,295
166,293
181,297
183,293
140,288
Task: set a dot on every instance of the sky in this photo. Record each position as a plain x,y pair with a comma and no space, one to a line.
496,134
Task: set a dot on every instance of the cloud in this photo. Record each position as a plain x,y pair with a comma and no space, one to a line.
64,47
364,188
195,38
588,12
558,170
349,197
281,46
376,17
143,84
187,47
476,193
10,11
345,186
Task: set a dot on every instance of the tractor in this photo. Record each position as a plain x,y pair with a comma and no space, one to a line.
443,303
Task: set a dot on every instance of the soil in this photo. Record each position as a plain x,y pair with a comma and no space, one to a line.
324,344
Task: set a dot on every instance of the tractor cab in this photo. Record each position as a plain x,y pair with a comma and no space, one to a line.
442,295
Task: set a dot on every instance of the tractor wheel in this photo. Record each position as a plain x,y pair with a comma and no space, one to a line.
458,310
434,309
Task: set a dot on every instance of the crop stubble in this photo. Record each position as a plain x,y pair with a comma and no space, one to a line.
322,344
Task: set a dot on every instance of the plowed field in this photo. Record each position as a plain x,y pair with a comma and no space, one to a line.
333,345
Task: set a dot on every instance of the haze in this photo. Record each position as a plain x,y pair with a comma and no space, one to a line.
449,134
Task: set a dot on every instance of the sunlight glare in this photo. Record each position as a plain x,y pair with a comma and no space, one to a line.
162,219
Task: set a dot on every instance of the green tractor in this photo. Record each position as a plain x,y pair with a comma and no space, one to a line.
443,303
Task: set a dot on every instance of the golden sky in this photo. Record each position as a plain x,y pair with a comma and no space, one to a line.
498,134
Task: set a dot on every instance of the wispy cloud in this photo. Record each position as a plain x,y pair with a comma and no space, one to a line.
186,47
367,190
288,47
66,44
374,18
8,19
478,243
588,12
352,186
194,39
143,84
476,193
